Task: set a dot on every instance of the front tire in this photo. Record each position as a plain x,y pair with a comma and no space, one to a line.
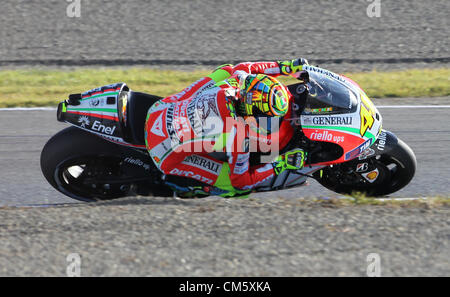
396,168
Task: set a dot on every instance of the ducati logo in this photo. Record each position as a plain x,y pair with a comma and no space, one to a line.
158,126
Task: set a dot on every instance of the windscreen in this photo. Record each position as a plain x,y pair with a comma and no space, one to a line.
328,95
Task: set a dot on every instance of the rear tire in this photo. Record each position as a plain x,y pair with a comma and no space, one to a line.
73,158
396,168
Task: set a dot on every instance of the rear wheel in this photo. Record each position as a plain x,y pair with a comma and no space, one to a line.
377,176
84,166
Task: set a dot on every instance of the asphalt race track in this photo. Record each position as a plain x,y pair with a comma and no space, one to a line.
269,234
421,128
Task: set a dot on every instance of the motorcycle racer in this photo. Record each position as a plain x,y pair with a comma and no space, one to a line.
183,131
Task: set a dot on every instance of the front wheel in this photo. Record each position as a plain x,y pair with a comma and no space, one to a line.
377,176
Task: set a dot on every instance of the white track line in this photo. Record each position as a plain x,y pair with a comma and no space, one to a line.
382,199
412,106
403,199
28,108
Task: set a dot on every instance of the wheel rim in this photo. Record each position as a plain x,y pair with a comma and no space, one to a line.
87,178
391,177
393,171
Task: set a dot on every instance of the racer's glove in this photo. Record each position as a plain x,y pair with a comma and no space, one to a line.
292,160
292,66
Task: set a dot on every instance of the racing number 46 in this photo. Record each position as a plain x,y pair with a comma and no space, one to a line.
366,119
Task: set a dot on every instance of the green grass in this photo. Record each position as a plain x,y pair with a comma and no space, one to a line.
47,87
407,83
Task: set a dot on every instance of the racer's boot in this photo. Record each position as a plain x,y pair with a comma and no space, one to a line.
188,192
187,187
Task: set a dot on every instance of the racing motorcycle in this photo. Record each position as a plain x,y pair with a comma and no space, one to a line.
103,154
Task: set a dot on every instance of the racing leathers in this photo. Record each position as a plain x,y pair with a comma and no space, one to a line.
183,130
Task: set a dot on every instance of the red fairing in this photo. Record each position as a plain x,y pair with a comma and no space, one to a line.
184,128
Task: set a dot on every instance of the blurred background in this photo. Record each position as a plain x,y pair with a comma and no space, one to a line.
342,35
